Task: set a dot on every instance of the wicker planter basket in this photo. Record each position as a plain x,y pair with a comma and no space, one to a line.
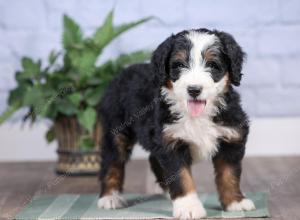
72,160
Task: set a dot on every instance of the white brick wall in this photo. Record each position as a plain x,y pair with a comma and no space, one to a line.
268,30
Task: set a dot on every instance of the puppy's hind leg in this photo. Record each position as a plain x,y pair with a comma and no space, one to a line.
115,152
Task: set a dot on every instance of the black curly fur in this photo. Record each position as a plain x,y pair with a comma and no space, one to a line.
133,106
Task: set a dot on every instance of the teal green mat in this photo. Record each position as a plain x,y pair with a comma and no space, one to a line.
71,206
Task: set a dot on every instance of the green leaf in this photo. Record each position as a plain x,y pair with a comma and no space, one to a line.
17,94
50,112
65,107
86,143
125,27
107,32
87,62
111,68
84,61
30,69
53,57
87,118
59,80
72,33
29,64
33,97
75,98
104,33
50,135
47,107
8,113
135,57
92,96
93,81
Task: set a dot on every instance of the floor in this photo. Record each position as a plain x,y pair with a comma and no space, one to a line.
278,176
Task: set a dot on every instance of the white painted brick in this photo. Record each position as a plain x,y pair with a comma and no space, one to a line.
36,44
137,39
280,102
15,14
245,37
261,72
169,11
88,13
290,71
144,37
17,116
126,12
279,41
231,12
3,101
290,10
7,76
248,99
6,54
33,28
110,52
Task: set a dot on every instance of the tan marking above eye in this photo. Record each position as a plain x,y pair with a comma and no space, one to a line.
208,55
181,55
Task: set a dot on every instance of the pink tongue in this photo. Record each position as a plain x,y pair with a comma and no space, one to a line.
196,107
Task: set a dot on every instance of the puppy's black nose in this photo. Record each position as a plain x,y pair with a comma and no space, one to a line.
194,91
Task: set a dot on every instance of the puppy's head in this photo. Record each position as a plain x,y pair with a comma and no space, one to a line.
195,68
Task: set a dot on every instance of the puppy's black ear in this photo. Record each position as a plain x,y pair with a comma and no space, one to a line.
235,56
160,60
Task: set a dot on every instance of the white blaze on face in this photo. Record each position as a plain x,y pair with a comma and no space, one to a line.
196,75
195,124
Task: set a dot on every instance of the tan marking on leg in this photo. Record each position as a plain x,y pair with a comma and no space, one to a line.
187,182
184,175
228,184
114,179
124,145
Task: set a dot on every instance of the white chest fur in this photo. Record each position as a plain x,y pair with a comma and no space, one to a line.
202,134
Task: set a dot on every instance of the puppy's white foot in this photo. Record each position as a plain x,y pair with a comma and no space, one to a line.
113,201
188,207
244,205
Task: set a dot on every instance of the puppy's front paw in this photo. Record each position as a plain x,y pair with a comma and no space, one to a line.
243,205
188,207
113,201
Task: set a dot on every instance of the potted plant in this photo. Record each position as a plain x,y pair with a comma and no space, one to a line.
68,89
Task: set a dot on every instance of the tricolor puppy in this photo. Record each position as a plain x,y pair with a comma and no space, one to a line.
181,107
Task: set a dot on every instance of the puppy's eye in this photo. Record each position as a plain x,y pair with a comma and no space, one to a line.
178,65
213,65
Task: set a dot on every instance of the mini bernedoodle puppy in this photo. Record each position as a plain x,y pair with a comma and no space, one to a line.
181,107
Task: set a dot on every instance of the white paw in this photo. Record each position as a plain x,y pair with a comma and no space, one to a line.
188,207
244,205
113,201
